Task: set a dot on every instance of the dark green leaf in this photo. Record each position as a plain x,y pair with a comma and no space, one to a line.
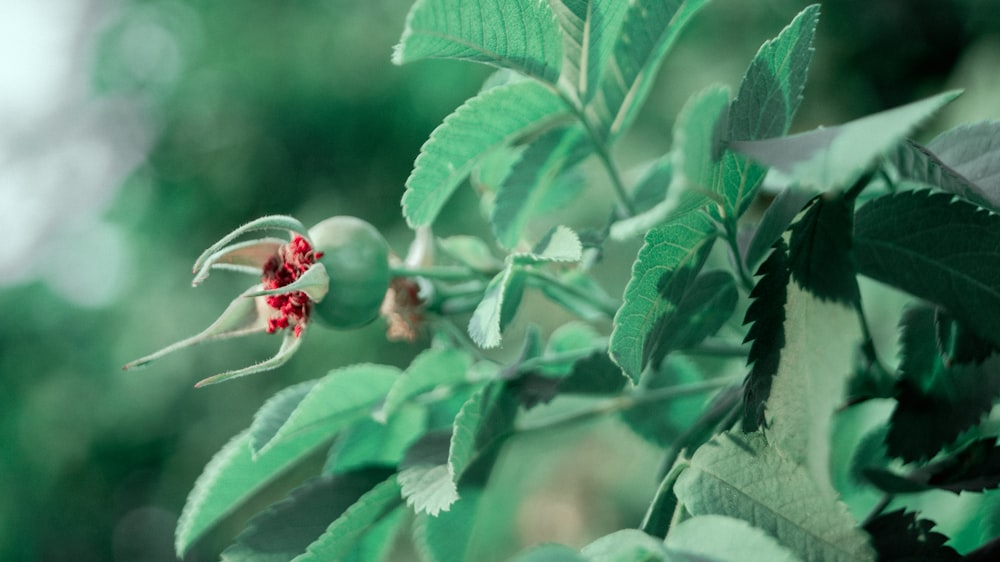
495,118
651,189
820,253
371,443
931,413
940,250
834,158
975,468
658,422
667,265
772,86
521,35
920,358
958,343
899,536
286,529
594,374
649,29
766,314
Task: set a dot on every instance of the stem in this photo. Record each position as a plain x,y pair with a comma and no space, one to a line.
564,357
719,348
440,272
879,508
626,402
741,269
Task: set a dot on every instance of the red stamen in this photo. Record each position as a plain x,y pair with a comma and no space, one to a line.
287,265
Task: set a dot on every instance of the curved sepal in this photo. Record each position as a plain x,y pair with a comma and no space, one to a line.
245,257
289,345
270,222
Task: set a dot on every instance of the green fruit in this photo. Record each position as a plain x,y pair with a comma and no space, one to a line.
356,258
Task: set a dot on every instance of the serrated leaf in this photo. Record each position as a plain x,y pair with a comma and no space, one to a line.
741,476
814,367
589,31
899,536
834,158
233,476
668,263
766,314
370,443
771,89
430,369
929,416
940,250
493,119
648,31
560,244
497,308
333,403
974,152
286,529
424,477
716,538
533,177
521,35
975,468
594,374
820,251
341,537
448,537
379,541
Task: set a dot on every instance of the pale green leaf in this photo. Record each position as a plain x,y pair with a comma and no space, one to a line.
534,179
286,529
916,162
233,476
521,35
428,488
496,310
834,158
590,28
936,248
334,402
771,89
666,266
471,251
495,118
974,152
740,476
560,244
716,538
821,338
649,30
432,368
627,545
344,533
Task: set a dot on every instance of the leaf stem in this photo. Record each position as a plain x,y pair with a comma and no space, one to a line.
741,269
628,401
440,272
608,308
718,348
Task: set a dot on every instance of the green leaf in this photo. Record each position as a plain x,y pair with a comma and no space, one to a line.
594,374
696,169
652,187
741,476
916,162
820,251
424,476
550,553
533,178
703,309
333,403
343,536
899,536
655,422
495,118
974,152
272,415
766,314
659,516
233,476
940,250
627,545
666,266
814,368
449,536
471,251
649,30
975,468
717,538
370,443
286,529
521,35
589,31
771,89
497,309
429,370
560,244
379,541
834,158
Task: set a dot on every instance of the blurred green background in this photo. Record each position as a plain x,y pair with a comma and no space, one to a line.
133,134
